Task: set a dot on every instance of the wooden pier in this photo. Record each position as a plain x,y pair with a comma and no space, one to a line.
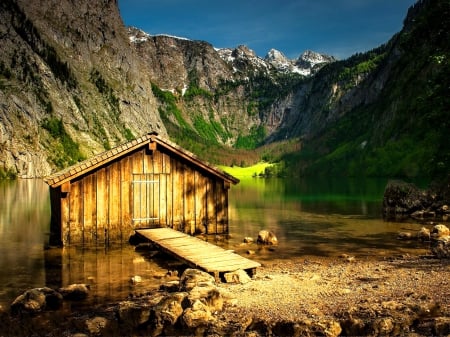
198,253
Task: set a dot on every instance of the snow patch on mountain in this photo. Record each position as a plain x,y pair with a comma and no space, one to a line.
242,58
139,36
306,64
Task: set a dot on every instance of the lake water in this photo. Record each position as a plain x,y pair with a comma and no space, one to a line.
310,218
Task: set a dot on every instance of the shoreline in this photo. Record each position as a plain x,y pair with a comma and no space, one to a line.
332,296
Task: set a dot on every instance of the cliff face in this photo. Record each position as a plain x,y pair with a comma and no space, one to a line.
381,113
70,84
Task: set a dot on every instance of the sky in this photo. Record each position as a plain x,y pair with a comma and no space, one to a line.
339,28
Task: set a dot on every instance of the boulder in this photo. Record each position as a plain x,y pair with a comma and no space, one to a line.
169,309
210,296
97,326
237,276
75,292
404,236
195,278
440,241
441,247
136,279
267,238
402,199
36,300
440,231
198,315
133,314
424,234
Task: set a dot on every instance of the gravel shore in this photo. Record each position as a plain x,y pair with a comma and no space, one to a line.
317,288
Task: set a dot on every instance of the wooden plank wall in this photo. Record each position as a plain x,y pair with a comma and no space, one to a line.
99,207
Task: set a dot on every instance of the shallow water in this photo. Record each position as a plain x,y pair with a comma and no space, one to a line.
310,218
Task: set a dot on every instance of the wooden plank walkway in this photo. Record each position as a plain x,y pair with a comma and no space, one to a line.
198,253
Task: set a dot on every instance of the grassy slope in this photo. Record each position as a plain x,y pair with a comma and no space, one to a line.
246,172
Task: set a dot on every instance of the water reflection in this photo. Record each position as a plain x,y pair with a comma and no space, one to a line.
319,217
25,263
24,215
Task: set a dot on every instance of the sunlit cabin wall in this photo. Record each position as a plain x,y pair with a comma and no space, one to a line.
146,188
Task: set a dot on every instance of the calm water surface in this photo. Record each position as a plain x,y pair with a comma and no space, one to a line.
310,218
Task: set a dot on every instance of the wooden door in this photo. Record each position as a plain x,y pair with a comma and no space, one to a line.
145,200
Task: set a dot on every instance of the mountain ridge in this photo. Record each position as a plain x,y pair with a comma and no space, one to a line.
74,82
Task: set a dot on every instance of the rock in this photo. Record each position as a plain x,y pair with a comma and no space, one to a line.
440,241
76,292
402,199
238,276
196,316
169,309
441,247
441,326
287,328
267,237
210,296
404,236
97,326
36,300
133,314
424,234
170,286
440,231
248,239
251,252
383,326
353,327
332,328
193,277
136,279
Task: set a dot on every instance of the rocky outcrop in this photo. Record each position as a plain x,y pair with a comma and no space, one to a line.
402,200
200,307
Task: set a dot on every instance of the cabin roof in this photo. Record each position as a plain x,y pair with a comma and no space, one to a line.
106,157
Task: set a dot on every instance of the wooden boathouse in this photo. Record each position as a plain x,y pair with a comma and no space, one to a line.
149,182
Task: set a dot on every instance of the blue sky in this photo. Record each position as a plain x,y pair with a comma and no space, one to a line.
334,27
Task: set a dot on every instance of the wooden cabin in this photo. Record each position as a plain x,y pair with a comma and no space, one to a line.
148,182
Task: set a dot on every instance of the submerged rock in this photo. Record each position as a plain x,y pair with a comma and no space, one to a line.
76,292
36,300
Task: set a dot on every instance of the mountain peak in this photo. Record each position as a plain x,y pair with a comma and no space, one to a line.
311,59
306,64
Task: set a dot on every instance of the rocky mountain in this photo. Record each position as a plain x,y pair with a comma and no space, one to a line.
380,113
70,85
75,81
308,63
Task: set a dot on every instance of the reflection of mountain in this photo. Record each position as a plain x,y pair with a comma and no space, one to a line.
309,220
